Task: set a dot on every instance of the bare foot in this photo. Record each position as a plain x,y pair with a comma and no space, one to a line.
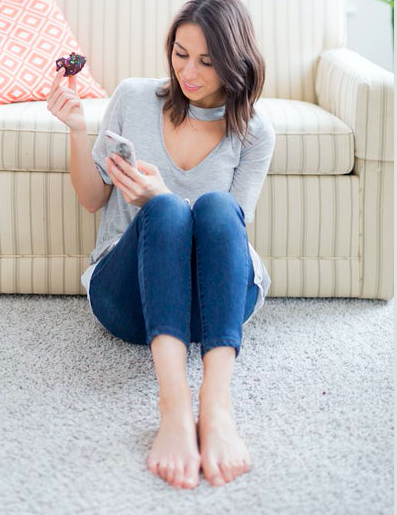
224,455
174,455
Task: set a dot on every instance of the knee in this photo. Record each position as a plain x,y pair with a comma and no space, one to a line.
215,207
169,205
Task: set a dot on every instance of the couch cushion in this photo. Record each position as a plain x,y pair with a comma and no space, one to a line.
33,34
33,139
309,139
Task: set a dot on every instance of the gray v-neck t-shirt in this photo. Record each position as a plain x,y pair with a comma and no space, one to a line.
135,112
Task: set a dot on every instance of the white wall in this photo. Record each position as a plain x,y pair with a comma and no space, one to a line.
369,31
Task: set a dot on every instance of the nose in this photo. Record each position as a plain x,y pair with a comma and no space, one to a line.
190,71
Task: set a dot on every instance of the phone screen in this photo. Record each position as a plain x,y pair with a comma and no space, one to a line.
118,145
123,151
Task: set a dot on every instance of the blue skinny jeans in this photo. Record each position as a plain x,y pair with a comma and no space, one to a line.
181,271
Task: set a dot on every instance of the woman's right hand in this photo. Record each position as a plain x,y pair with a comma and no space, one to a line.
65,104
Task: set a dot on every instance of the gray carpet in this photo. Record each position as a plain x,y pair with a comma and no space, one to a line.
312,397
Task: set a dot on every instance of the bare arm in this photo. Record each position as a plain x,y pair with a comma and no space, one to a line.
91,191
64,103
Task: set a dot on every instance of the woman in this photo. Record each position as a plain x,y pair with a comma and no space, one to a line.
172,263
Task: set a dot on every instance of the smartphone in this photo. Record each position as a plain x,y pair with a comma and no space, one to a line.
122,146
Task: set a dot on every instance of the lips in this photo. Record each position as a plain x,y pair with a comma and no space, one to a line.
189,87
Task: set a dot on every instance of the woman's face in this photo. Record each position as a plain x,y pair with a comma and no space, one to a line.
192,66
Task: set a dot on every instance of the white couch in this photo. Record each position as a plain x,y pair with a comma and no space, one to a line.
324,220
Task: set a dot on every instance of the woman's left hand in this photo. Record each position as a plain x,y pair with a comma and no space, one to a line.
136,188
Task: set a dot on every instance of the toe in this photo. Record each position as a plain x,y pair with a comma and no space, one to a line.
217,480
179,474
163,469
170,473
192,473
239,469
227,471
247,465
153,466
213,474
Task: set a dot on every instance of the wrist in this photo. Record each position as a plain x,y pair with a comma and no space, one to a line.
78,132
165,190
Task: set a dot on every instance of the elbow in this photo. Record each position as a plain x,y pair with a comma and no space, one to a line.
91,206
91,209
94,208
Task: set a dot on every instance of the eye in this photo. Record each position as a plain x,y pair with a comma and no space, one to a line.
185,56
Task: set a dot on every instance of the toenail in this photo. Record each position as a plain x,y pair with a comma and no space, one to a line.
218,481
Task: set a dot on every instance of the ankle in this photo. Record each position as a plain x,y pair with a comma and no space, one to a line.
215,397
175,399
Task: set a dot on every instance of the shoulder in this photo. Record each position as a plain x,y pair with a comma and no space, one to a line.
260,123
261,130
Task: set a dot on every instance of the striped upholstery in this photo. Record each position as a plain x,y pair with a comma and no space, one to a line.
31,138
323,224
367,106
300,221
125,38
362,95
310,140
307,228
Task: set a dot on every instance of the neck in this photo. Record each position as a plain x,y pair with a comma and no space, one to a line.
220,103
206,113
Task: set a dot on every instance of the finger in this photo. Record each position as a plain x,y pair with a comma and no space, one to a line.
51,100
62,101
128,192
56,81
120,176
129,170
72,104
58,97
147,168
72,82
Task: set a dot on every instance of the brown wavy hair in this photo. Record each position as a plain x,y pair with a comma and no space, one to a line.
229,33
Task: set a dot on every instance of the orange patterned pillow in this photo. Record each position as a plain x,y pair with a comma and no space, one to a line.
33,34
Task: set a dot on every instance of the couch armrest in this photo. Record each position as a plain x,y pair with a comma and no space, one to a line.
361,94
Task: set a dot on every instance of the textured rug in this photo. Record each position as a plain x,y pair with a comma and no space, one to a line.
312,397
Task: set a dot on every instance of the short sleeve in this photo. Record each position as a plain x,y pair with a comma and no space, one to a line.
111,120
250,174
